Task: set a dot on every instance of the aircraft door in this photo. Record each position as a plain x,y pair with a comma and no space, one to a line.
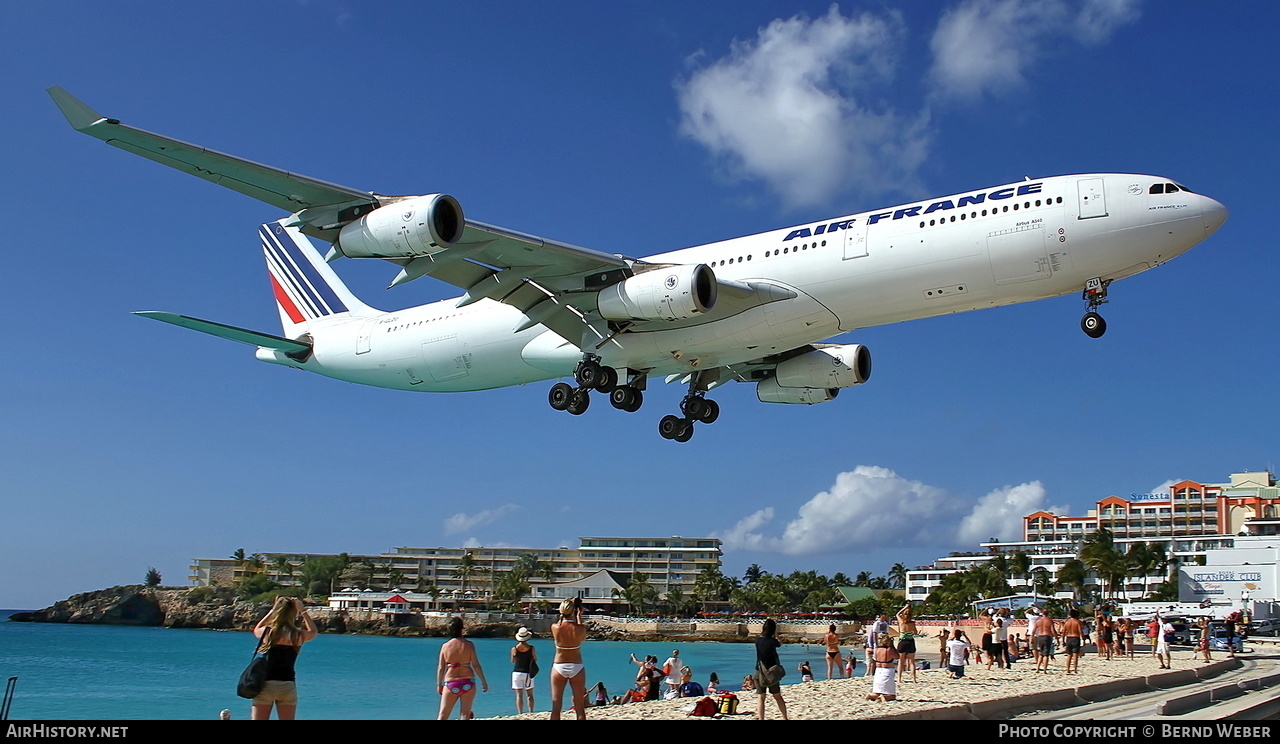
447,358
855,240
1093,198
364,339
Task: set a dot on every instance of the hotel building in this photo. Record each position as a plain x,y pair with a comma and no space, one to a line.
1189,519
667,562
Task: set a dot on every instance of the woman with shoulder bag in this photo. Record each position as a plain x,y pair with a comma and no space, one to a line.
282,632
769,671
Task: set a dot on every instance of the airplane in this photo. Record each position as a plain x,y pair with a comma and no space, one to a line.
756,309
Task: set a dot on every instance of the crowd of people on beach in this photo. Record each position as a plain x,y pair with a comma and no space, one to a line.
889,653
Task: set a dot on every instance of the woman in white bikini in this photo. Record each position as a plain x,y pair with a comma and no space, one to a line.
568,634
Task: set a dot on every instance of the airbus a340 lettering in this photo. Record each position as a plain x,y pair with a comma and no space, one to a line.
754,309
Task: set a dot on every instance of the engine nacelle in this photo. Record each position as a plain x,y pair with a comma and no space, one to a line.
405,229
837,366
674,293
769,391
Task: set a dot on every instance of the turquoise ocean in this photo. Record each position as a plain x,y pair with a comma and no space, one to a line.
99,672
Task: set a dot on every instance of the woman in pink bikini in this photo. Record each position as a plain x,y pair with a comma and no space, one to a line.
568,635
456,675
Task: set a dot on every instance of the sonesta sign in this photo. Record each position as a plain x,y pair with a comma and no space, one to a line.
1007,192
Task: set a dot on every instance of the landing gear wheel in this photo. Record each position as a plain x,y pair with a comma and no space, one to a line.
710,413
670,426
578,401
587,374
693,407
626,398
686,433
608,380
1093,325
560,394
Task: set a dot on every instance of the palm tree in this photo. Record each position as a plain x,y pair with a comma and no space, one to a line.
898,576
1042,582
465,569
864,579
712,586
282,566
753,573
1074,574
1020,566
1100,553
639,592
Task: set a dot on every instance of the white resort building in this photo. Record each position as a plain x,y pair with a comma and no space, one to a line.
1199,524
597,564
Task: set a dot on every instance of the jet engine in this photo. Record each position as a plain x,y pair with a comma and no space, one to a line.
404,229
670,293
834,366
769,391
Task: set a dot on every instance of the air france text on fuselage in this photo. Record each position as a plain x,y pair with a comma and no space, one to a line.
920,209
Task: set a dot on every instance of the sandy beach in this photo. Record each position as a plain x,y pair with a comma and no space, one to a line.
840,699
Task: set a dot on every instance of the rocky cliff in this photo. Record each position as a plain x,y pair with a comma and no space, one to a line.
218,609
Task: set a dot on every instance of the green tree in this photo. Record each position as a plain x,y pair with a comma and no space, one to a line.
898,576
1100,553
153,577
1020,567
1074,574
639,592
753,573
319,573
712,586
466,569
865,608
255,585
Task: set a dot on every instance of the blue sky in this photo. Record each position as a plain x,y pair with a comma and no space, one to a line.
631,128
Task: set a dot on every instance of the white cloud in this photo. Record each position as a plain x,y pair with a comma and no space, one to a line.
872,507
461,522
985,46
791,108
999,514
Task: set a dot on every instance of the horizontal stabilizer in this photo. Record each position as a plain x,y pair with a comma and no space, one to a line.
252,338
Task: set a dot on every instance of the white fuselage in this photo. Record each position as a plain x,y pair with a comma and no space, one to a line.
998,246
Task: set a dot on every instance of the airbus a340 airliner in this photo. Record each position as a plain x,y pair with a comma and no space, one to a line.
753,309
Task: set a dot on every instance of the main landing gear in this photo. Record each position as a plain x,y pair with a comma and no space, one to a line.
590,375
628,396
1095,295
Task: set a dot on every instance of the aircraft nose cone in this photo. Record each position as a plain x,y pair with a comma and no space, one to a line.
1214,215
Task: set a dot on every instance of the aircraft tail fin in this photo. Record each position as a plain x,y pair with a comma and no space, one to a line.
305,287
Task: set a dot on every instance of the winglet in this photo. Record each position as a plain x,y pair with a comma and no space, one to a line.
77,112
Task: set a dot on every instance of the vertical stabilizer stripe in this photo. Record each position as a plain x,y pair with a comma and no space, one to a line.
288,278
307,270
285,301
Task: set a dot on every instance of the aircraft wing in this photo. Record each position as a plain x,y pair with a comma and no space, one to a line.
274,186
551,282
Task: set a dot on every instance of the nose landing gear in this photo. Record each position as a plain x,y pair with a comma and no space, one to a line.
1095,295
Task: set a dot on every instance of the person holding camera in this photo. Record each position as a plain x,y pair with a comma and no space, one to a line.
568,634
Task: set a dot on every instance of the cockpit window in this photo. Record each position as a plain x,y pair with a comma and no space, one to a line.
1170,188
1157,188
1184,188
